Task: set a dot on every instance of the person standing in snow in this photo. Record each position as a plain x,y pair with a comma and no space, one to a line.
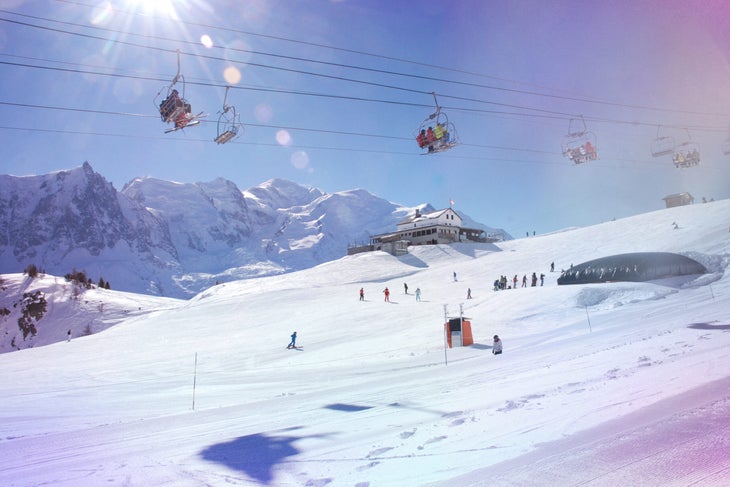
362,294
524,280
68,339
468,293
454,276
497,346
386,292
293,343
542,279
418,294
405,286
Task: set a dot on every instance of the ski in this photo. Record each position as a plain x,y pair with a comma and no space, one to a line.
193,121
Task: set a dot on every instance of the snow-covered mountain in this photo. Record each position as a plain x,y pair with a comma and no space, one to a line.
171,239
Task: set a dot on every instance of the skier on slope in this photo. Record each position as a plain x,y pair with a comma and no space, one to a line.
497,345
293,344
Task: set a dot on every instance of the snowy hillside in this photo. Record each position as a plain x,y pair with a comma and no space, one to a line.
173,239
598,385
61,306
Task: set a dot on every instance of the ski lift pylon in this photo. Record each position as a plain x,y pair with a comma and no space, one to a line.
229,125
579,144
436,133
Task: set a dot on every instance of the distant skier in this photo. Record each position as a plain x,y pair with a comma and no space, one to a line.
293,343
497,345
362,294
405,287
418,294
454,276
68,335
386,292
468,293
552,267
542,279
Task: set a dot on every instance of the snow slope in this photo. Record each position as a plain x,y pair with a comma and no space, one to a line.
69,306
599,384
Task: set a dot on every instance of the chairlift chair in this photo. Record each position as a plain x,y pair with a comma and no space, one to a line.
726,146
686,154
663,145
174,108
579,144
436,133
229,124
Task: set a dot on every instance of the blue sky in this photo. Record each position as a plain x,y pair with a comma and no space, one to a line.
331,94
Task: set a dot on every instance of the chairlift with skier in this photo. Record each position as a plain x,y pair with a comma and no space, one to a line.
229,124
579,144
174,108
436,133
687,153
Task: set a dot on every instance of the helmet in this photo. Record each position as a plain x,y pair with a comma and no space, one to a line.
496,337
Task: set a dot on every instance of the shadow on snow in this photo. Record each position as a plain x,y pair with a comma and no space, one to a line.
255,455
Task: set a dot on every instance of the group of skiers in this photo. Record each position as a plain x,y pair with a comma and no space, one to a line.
386,293
504,283
433,137
496,345
175,109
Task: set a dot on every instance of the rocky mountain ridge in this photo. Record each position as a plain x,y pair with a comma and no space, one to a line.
175,239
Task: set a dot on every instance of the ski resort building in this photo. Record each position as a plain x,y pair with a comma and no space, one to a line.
679,199
437,227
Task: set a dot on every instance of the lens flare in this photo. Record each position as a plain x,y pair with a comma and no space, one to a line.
102,13
232,75
283,138
263,113
300,160
206,41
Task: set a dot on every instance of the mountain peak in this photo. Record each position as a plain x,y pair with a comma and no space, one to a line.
175,239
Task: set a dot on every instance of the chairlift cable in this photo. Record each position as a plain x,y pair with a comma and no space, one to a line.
385,57
434,79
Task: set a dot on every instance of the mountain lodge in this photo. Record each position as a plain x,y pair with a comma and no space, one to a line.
437,227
